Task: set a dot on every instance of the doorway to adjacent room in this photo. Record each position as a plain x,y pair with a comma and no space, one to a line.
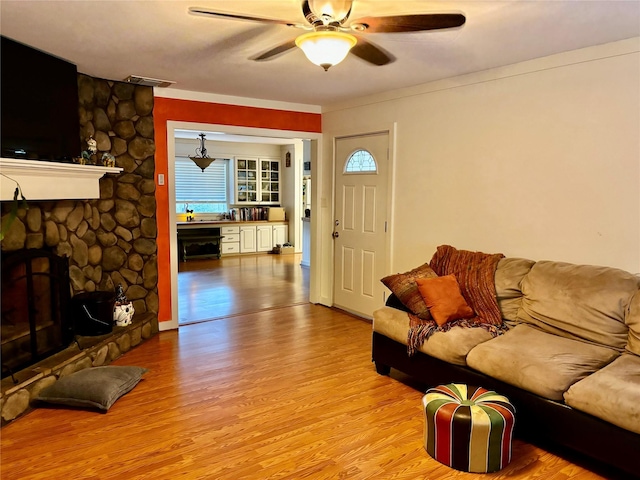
233,285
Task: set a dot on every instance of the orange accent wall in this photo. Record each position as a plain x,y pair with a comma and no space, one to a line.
167,109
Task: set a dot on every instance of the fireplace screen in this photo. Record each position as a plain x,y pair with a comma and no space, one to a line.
35,299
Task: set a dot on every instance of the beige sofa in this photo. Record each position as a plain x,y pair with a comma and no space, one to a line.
569,361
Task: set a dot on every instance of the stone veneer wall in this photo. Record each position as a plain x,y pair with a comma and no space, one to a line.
110,240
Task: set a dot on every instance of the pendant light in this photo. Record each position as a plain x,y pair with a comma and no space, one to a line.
201,159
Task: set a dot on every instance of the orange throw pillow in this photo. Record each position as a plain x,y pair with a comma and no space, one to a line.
442,296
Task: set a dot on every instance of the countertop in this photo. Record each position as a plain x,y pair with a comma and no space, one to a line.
215,223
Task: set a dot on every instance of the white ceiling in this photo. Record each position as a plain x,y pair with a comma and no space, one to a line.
160,39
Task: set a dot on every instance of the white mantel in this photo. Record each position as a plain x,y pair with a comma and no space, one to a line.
51,180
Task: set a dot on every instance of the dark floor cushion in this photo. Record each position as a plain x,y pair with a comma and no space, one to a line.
97,387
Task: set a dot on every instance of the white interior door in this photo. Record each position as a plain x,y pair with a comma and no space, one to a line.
360,222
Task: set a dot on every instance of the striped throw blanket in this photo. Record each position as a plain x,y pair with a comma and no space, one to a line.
475,273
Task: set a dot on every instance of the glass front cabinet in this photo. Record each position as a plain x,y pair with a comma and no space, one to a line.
257,180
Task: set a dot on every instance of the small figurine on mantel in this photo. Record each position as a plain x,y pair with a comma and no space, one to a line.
108,160
88,156
123,309
83,159
92,146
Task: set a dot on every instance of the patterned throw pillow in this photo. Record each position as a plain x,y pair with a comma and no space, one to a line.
403,286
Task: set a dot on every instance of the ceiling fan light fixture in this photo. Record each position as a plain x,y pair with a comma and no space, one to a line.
336,9
326,48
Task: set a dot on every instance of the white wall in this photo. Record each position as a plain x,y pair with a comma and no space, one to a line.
292,194
538,160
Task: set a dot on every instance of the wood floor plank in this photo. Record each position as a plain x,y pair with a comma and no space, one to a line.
287,393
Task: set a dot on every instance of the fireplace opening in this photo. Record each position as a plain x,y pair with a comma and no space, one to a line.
35,302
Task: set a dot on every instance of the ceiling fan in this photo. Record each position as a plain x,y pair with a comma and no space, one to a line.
331,36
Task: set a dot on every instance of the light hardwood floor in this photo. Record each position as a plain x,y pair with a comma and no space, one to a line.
239,285
287,393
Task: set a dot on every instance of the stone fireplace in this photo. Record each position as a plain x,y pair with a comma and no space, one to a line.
107,241
35,298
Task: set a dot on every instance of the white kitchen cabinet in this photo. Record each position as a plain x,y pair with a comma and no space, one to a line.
248,239
280,234
230,242
246,180
257,181
251,237
269,180
230,248
264,236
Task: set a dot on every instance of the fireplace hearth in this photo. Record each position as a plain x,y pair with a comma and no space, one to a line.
35,300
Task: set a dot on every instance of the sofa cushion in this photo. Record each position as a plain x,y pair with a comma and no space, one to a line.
612,394
452,346
508,276
403,286
443,298
538,362
632,319
578,301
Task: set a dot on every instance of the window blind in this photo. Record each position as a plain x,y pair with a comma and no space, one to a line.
194,185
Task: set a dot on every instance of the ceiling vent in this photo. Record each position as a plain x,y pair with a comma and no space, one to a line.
148,82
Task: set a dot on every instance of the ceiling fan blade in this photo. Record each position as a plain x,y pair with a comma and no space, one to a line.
233,16
371,53
411,23
274,52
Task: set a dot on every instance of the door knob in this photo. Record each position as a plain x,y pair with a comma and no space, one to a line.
335,234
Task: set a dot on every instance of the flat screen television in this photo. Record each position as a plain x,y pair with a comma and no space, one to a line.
39,103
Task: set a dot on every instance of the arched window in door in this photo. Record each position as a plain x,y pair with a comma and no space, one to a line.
361,161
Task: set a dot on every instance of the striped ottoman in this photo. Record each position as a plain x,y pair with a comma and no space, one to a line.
468,428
